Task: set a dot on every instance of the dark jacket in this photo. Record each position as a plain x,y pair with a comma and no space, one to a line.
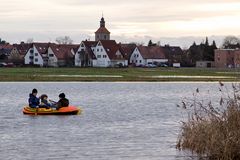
45,104
33,101
64,102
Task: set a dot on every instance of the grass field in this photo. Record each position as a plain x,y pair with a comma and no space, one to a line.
118,74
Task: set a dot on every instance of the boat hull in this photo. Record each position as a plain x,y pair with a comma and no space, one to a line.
71,110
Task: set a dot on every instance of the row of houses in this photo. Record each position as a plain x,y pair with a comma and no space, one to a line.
106,53
102,53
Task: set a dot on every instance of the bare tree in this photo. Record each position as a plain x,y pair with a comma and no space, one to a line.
231,42
29,40
64,40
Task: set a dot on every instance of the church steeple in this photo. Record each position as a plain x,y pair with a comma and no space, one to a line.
102,33
102,22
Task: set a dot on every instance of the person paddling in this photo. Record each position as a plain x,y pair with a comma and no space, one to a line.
33,101
63,101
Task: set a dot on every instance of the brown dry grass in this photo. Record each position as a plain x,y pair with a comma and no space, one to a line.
213,132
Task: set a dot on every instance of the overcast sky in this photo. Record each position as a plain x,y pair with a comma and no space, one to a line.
169,21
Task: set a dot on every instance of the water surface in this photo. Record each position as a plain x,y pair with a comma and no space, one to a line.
132,121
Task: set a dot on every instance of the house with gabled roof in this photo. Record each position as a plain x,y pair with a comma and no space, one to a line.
144,55
173,54
84,56
103,53
18,52
37,54
109,54
5,50
128,50
61,54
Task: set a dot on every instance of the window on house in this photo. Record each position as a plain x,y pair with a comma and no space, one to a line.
36,54
97,50
30,57
136,61
104,56
36,60
98,56
137,55
101,49
82,45
105,37
51,55
31,51
140,61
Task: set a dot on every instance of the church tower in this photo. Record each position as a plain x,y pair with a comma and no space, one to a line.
102,33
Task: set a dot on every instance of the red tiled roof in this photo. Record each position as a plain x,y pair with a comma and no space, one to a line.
42,47
22,48
6,46
62,51
89,45
111,47
154,52
128,49
173,50
102,30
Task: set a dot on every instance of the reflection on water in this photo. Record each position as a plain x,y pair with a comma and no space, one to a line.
135,121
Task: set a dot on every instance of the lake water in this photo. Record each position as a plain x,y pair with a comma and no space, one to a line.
120,121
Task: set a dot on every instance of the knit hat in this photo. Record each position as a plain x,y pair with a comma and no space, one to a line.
62,95
43,96
34,91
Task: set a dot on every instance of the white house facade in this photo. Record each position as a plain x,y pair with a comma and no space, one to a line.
33,57
52,59
136,58
101,55
143,55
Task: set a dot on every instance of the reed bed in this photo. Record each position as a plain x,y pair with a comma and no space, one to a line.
212,131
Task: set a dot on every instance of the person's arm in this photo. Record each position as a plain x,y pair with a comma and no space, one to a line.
30,102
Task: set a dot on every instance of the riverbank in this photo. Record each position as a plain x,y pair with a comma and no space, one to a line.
118,74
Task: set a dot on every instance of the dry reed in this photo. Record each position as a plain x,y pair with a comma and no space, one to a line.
213,131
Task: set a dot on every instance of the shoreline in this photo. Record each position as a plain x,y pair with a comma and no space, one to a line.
119,75
122,82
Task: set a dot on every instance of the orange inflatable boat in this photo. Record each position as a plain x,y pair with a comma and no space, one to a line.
70,110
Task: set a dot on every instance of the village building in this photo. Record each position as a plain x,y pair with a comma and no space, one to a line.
61,55
144,55
109,54
102,33
128,50
18,52
173,54
205,64
37,54
84,56
237,58
5,50
227,58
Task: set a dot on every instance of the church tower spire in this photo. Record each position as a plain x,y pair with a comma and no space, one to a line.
102,22
102,33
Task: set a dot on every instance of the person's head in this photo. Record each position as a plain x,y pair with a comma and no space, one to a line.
34,92
44,97
62,95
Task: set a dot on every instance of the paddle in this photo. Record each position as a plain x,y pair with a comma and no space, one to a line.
52,101
36,111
